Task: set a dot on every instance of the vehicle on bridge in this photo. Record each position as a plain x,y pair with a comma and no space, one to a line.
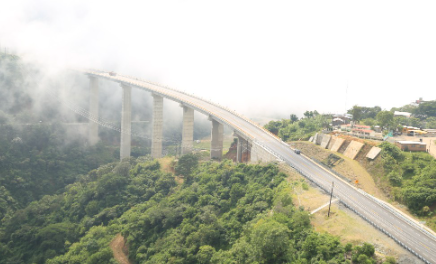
112,73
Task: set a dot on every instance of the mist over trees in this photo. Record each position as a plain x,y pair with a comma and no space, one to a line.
59,203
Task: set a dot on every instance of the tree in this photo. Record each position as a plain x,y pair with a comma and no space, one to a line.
431,122
385,119
294,118
356,112
426,109
308,114
187,163
274,126
271,242
205,254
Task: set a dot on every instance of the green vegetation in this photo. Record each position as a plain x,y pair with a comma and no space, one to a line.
225,213
294,129
363,112
41,160
413,177
423,116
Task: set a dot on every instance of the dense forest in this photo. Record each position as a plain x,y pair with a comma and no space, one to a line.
221,213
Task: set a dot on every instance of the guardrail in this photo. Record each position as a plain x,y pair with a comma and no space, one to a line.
310,178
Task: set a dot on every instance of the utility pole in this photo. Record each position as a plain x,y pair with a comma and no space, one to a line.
331,195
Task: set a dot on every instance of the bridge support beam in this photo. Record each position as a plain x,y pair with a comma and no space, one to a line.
188,130
126,122
157,133
93,111
217,140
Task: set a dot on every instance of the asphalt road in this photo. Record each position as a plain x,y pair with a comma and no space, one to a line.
397,225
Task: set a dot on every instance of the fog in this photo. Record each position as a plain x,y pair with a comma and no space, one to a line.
263,59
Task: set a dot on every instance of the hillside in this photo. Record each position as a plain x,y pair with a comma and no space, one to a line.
222,212
402,178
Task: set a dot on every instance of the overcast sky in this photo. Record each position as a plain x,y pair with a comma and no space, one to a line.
261,58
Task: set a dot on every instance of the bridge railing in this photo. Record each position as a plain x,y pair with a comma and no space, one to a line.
199,98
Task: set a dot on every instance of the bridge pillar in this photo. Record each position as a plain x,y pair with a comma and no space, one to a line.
93,111
243,147
217,140
126,122
157,133
242,144
188,130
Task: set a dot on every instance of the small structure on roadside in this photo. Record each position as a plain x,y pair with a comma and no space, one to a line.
411,146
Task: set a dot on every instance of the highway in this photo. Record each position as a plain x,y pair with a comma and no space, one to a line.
404,230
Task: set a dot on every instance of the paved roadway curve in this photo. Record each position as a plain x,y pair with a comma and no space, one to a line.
407,232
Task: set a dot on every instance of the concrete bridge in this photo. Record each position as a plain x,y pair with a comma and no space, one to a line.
263,146
219,116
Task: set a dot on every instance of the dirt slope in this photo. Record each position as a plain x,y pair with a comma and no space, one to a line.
119,247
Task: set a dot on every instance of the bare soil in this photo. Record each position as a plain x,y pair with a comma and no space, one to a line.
119,247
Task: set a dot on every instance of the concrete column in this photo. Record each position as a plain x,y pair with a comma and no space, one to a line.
243,147
242,144
157,133
188,130
217,139
126,122
93,111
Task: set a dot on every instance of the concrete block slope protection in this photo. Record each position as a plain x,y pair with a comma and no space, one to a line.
411,237
353,149
338,144
325,141
373,153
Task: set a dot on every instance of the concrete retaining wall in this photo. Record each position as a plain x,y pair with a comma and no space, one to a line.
260,155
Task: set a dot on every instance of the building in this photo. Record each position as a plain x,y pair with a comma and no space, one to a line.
363,133
411,146
339,120
349,127
405,114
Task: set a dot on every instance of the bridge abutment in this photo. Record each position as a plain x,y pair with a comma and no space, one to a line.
126,122
157,121
93,111
217,140
188,130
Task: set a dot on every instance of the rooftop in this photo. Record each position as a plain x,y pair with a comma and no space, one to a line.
411,142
